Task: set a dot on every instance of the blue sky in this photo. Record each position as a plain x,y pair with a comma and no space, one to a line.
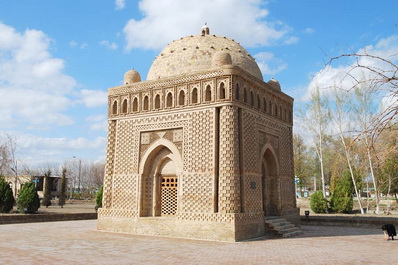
58,58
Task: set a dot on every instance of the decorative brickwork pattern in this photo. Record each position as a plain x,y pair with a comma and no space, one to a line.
229,180
136,87
124,147
197,193
125,186
120,213
169,195
201,142
143,125
253,193
250,143
210,141
110,155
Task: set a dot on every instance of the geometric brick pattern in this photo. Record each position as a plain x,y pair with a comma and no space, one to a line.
124,147
197,193
253,193
169,195
201,132
230,191
250,140
229,179
125,187
110,152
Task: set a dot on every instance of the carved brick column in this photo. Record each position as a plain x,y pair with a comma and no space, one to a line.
110,156
229,178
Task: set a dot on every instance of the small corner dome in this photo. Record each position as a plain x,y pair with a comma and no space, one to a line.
274,84
221,58
131,76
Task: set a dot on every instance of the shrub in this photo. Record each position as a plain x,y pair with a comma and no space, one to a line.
318,203
341,201
6,198
28,200
98,198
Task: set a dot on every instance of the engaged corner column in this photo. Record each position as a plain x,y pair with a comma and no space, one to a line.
229,180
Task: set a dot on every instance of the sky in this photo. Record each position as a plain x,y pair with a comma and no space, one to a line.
59,57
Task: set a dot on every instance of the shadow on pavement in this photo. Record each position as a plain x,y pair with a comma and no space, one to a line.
332,231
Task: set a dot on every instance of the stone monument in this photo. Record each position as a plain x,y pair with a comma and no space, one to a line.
201,149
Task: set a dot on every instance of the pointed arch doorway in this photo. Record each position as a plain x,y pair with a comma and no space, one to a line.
159,180
270,182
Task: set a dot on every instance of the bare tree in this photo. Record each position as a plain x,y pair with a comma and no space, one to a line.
381,75
364,109
4,157
316,121
339,117
8,157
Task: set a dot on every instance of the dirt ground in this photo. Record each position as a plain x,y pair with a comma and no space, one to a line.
71,206
88,206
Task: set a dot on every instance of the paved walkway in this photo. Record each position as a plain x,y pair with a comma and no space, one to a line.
78,242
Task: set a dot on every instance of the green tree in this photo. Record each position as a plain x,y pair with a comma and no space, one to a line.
47,189
318,203
62,195
28,199
98,197
342,201
6,197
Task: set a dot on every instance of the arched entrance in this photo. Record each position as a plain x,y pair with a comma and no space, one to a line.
270,182
159,179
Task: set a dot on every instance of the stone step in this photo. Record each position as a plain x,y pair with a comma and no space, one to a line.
282,227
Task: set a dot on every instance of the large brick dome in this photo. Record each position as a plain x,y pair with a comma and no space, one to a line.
200,53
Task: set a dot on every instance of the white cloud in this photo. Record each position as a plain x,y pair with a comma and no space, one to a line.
309,30
33,89
291,40
38,149
120,4
73,43
336,74
110,45
93,98
166,20
269,64
84,45
98,122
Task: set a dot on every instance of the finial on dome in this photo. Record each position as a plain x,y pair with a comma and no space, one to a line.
205,30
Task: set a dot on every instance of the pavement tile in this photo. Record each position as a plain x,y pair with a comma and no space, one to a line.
78,242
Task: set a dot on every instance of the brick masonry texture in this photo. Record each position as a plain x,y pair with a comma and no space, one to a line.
205,120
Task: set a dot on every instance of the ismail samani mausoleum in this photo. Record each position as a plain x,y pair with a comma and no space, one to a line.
201,149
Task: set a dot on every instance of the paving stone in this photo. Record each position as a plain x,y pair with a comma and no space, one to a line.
78,242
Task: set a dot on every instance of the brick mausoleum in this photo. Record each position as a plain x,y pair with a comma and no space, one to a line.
201,149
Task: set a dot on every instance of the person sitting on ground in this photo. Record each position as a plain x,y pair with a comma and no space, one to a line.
389,231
